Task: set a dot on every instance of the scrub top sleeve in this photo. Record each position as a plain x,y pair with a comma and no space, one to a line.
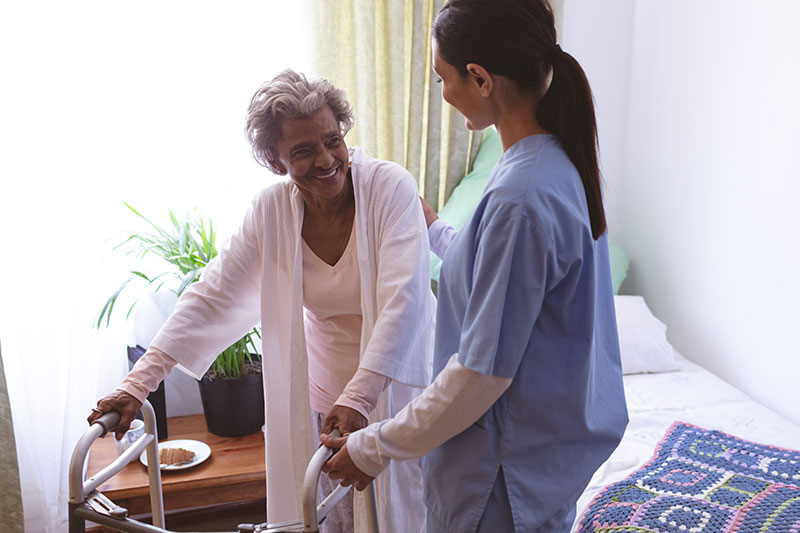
511,266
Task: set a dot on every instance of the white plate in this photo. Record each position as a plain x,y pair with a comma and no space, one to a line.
201,452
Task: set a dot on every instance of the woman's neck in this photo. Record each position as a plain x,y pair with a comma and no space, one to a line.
341,205
516,117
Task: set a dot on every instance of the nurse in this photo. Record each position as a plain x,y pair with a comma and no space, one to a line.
528,399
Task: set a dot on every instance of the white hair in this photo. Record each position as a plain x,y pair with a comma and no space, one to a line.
286,96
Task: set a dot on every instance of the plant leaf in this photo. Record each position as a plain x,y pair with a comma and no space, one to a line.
141,275
109,305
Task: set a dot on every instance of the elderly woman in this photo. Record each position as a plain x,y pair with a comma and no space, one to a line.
334,264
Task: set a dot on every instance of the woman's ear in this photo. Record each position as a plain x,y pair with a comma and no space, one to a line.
480,78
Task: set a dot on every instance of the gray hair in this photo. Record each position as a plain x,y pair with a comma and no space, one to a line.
290,95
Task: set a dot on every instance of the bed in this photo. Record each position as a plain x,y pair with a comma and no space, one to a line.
673,389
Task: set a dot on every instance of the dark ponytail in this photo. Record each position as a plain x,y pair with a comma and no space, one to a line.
517,39
567,111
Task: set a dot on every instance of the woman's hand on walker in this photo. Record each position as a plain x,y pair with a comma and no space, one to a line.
345,419
341,466
123,403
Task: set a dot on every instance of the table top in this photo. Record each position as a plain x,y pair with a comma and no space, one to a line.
233,461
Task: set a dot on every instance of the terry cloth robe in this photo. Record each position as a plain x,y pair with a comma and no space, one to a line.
258,274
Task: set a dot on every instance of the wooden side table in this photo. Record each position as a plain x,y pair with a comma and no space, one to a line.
232,478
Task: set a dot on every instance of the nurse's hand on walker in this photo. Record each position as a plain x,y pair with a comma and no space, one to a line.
123,403
341,466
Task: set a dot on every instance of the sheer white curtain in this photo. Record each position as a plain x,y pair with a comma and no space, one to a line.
104,102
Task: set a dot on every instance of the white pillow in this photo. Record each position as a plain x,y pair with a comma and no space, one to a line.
643,340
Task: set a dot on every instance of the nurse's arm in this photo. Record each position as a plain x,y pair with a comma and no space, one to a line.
440,233
454,401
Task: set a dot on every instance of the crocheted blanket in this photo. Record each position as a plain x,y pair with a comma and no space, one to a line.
702,481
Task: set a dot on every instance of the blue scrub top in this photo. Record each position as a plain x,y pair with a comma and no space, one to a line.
525,293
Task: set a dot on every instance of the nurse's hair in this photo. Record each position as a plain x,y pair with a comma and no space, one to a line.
517,39
290,95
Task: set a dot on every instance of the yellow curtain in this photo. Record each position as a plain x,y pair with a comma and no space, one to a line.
379,52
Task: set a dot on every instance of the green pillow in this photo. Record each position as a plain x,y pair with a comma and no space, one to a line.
467,194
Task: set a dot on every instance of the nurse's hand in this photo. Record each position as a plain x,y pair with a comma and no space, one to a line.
341,466
123,403
427,210
345,419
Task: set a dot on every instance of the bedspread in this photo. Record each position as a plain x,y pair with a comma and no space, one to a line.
703,481
693,395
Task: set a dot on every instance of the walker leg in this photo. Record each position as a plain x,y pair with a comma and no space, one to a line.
76,523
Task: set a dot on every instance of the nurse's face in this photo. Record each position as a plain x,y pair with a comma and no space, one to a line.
462,92
313,152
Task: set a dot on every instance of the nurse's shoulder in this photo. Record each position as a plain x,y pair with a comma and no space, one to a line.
536,183
533,179
555,192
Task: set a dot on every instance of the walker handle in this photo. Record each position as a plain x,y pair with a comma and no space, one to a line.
108,421
79,488
313,471
310,509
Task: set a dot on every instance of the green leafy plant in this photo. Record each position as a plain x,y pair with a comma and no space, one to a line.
184,248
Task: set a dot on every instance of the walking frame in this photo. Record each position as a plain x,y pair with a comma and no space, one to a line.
87,503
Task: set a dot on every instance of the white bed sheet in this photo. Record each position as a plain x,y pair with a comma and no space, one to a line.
690,394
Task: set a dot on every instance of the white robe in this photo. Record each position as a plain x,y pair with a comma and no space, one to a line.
258,274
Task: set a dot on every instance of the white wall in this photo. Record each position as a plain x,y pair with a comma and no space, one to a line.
704,188
599,35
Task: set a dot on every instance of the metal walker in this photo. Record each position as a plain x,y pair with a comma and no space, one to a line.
87,503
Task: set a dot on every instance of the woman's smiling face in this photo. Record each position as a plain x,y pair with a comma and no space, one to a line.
313,152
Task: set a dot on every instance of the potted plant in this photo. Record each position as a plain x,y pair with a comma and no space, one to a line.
233,383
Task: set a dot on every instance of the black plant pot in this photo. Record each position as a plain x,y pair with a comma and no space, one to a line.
233,407
157,398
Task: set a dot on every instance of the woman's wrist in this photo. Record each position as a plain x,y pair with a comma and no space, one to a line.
362,391
148,372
